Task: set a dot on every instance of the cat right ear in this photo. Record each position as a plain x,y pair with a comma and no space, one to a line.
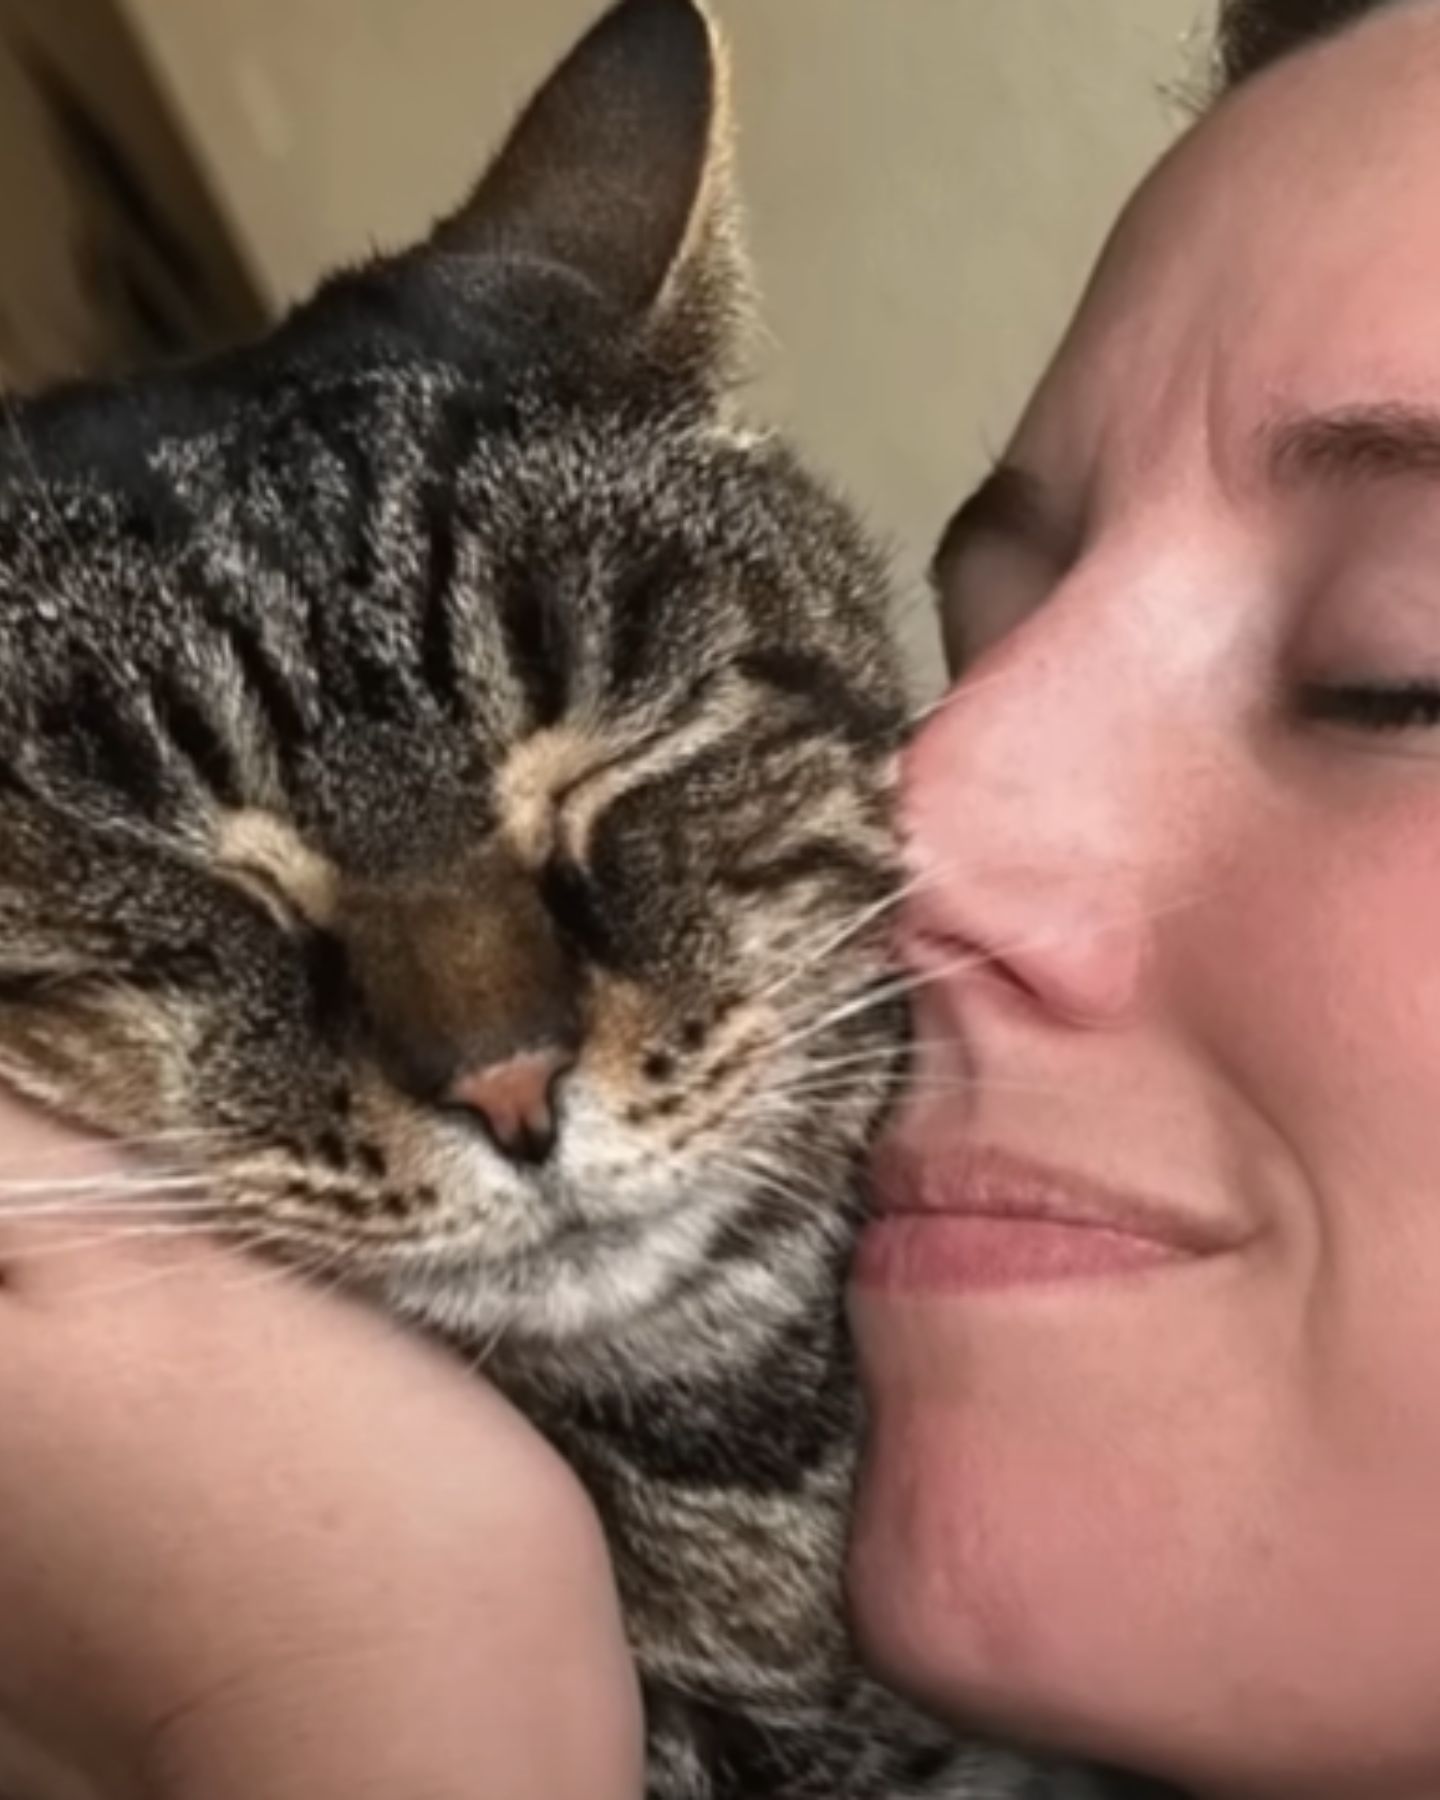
619,172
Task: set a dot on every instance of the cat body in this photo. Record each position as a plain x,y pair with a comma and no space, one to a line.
445,778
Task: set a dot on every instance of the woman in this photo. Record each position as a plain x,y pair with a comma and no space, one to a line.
1150,1315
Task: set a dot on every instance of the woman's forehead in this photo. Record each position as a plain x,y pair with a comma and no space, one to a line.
1283,260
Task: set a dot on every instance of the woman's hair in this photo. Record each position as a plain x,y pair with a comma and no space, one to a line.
1254,33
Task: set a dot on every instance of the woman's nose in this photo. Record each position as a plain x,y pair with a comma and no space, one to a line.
1035,841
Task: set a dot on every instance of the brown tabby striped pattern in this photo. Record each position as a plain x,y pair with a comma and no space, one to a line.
449,682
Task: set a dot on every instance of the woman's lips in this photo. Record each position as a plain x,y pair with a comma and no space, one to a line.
955,1218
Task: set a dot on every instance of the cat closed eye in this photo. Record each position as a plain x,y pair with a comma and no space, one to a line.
263,887
569,896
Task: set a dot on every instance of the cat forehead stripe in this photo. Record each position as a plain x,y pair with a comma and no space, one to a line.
261,841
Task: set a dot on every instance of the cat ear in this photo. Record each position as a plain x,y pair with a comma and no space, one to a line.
619,171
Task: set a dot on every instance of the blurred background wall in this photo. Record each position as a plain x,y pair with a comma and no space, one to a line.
112,251
927,181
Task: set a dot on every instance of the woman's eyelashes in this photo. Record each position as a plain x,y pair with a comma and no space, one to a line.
1373,705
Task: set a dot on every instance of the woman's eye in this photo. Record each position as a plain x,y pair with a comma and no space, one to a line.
1373,706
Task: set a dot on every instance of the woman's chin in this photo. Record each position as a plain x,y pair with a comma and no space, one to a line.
935,1605
990,1583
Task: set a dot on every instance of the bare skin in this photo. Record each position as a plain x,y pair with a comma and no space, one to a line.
257,1541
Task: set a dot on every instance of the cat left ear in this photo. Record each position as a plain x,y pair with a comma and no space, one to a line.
619,172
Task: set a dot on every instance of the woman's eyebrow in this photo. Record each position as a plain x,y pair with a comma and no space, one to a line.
1009,503
1353,446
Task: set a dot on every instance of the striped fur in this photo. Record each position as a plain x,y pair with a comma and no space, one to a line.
449,662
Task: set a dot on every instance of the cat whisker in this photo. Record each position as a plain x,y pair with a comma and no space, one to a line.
961,691
174,1267
871,999
102,1187
898,985
64,1157
43,1210
304,1268
753,1164
794,1098
477,1362
911,981
802,1103
203,1135
879,1056
242,1242
921,715
152,1231
761,1183
804,1093
846,934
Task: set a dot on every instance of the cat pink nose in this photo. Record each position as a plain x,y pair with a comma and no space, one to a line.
515,1099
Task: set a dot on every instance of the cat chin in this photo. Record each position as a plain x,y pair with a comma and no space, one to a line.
592,1283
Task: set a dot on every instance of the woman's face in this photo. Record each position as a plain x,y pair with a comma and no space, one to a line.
1152,1317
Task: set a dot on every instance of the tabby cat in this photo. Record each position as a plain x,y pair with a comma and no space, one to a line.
445,769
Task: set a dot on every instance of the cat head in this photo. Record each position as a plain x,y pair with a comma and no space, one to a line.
445,758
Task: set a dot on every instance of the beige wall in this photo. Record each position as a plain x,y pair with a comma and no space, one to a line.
928,181
91,283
